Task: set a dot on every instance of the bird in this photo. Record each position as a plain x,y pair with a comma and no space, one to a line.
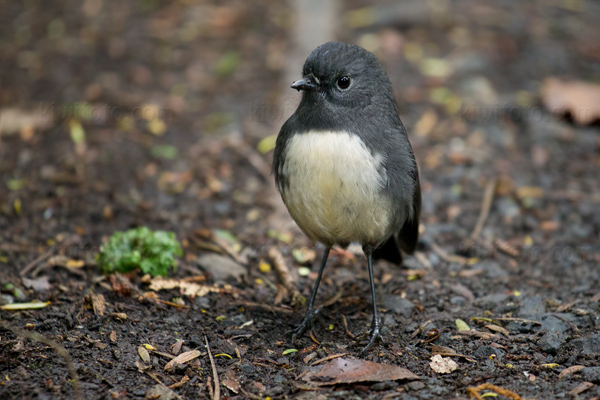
344,166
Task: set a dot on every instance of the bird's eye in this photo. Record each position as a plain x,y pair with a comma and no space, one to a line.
344,82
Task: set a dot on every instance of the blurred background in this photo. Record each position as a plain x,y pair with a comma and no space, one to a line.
150,112
116,114
121,113
164,114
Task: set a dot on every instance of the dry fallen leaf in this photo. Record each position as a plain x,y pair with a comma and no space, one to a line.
186,288
231,381
570,370
343,370
13,120
38,284
578,98
144,355
442,365
99,304
183,358
582,387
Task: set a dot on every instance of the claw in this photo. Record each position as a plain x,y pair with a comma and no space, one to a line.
373,335
304,325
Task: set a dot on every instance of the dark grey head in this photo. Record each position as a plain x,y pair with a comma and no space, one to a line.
342,74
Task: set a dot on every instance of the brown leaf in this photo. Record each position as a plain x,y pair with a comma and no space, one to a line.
344,370
176,348
578,98
183,358
113,336
231,382
464,291
582,387
38,284
13,120
570,370
99,304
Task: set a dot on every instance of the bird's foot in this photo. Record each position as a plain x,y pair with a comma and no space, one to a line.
306,324
374,333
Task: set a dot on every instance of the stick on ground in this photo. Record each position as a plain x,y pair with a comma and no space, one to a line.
285,275
36,337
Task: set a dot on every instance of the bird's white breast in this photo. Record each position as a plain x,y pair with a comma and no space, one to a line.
334,190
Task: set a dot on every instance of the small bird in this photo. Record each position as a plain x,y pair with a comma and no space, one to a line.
344,166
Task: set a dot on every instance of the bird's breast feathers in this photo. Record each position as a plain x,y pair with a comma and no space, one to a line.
334,188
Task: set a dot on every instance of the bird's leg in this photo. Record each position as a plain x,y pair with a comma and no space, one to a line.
375,326
310,311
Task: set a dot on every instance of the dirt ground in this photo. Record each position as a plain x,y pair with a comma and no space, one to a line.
174,100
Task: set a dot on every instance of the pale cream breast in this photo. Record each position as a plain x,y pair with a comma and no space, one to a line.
334,190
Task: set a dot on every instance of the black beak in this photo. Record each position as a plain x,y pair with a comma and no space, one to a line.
305,84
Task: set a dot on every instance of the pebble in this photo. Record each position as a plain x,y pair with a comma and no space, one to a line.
487,351
221,268
589,345
492,269
416,385
387,385
492,301
397,304
591,374
551,342
532,307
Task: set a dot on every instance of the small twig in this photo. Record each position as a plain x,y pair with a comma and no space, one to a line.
216,395
331,357
267,307
422,259
313,338
571,325
420,328
252,156
348,333
286,277
333,300
43,257
36,337
488,197
447,257
455,355
531,321
473,391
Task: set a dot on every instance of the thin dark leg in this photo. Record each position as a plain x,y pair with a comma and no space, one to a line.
310,311
375,333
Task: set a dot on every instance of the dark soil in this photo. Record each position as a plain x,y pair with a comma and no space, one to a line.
208,79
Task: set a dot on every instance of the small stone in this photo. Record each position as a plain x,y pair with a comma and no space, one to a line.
550,342
275,391
387,385
221,268
458,300
160,392
492,301
532,307
553,324
591,374
487,351
247,368
492,269
416,385
397,304
589,345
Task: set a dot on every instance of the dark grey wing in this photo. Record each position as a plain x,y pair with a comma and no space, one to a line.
279,154
405,190
408,237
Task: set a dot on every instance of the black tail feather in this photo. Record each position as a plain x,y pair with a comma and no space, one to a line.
408,237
